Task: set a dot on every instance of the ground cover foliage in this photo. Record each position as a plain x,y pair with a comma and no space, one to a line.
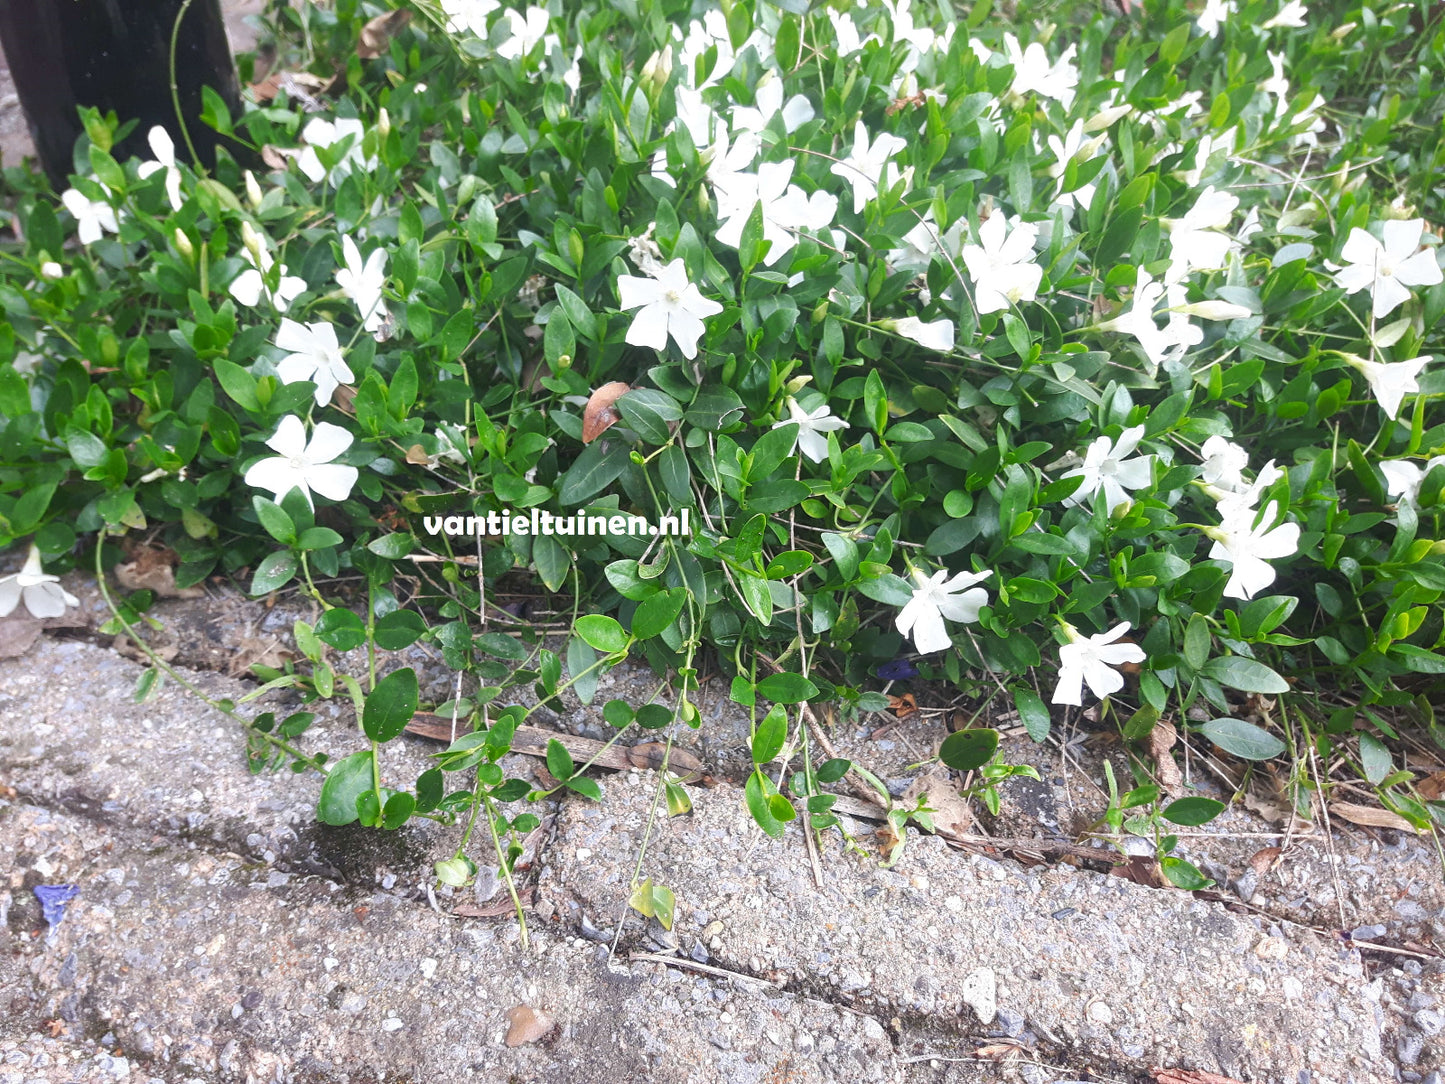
1056,357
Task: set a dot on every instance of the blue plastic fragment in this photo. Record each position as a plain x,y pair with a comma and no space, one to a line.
53,899
897,670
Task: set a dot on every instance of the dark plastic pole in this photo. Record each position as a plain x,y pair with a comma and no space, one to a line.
115,54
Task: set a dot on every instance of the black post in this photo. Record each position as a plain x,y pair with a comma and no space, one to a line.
115,54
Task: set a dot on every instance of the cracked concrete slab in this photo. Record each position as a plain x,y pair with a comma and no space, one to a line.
214,912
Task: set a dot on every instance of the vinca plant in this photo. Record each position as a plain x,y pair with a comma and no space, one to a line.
1077,361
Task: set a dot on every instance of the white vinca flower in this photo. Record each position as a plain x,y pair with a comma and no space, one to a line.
42,594
787,209
1403,477
936,335
251,284
363,282
1387,269
93,217
1245,496
813,428
320,132
863,168
1138,319
314,354
670,305
709,32
1107,466
1073,146
936,597
1196,242
1034,74
468,16
1224,463
1003,269
304,465
164,148
768,103
1249,546
1292,14
1215,13
527,32
1092,659
1390,382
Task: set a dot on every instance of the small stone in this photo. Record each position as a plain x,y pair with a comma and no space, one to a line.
698,952
1366,933
1421,1000
980,993
583,853
954,904
1246,884
527,1025
1293,988
1100,1013
1011,1022
1429,1021
1409,1048
1272,948
353,1004
428,968
330,962
251,1000
803,1042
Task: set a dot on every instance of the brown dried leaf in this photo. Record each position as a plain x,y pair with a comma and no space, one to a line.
600,415
1270,810
275,159
1371,816
998,1051
951,815
527,1025
1142,870
18,635
153,568
649,754
902,706
1432,786
376,35
1262,861
501,907
1160,740
1189,1076
302,85
417,454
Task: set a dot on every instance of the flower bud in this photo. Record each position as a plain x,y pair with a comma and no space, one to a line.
252,240
383,123
564,362
656,72
1339,33
1105,118
253,190
183,244
797,384
1214,310
467,189
51,270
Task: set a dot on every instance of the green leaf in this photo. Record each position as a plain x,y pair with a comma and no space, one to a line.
757,800
237,383
391,546
965,750
347,780
1374,758
599,465
580,660
658,612
86,449
399,629
757,596
502,646
1246,675
398,810
678,801
1243,739
788,564
341,629
146,684
787,688
1033,712
648,413
274,571
559,761
782,809
770,735
602,632
1196,641
390,706
552,561
1183,874
1193,811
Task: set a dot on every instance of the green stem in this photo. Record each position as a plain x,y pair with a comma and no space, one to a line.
175,88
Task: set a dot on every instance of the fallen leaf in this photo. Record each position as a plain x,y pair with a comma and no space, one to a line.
1189,1076
1432,786
951,815
417,454
18,635
1160,740
275,159
1272,811
343,397
303,86
153,568
1262,861
1142,869
600,415
527,1025
649,754
902,706
501,907
1371,816
1272,948
998,1051
377,34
